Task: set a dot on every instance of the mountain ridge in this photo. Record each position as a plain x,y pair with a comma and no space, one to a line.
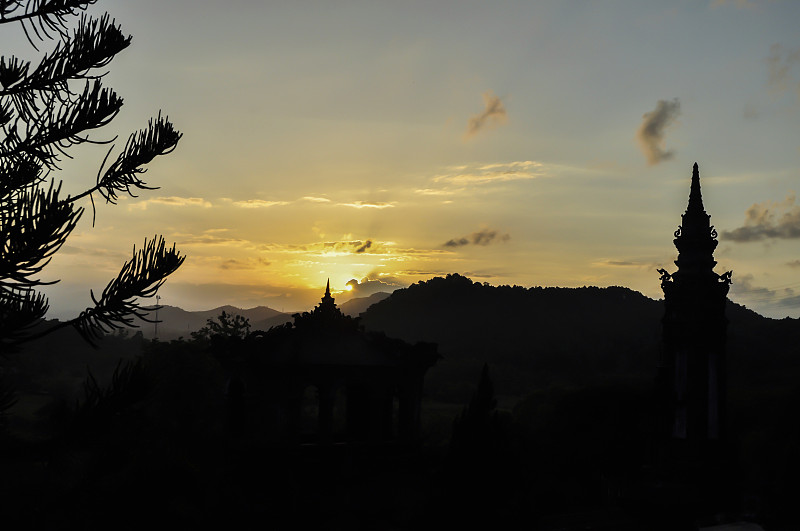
531,337
175,322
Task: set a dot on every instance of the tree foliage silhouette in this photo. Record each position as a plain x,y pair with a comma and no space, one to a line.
477,431
45,110
229,326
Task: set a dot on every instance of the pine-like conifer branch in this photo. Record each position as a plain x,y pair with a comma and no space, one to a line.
160,138
93,45
18,174
141,276
20,309
56,129
41,15
43,112
33,227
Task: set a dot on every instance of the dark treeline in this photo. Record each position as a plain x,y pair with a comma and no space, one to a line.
536,337
560,416
532,337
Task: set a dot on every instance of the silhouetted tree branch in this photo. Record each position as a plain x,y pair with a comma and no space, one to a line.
39,16
44,111
141,276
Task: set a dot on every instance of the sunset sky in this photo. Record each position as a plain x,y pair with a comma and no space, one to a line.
531,143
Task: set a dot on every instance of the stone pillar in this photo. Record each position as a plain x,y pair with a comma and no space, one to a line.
325,421
294,411
381,411
410,393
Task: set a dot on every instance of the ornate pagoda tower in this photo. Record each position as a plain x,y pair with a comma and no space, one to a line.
691,370
326,316
327,304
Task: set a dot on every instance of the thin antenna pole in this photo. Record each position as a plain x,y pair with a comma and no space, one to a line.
158,303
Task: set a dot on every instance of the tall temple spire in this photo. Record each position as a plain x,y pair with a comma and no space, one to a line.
691,397
327,300
692,368
326,315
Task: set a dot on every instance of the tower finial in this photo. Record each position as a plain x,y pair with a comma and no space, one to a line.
328,288
695,197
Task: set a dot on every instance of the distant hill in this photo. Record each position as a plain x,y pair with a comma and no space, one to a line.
534,337
531,337
176,322
356,306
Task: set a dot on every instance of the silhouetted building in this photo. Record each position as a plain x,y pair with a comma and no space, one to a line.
326,380
689,482
692,367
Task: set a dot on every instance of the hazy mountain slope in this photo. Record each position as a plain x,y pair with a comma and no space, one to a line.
177,322
356,306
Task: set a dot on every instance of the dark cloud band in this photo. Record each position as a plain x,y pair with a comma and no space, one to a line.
482,237
768,219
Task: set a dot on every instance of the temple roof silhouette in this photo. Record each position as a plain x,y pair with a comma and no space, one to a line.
326,336
326,318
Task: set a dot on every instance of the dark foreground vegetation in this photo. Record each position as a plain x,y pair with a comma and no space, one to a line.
545,435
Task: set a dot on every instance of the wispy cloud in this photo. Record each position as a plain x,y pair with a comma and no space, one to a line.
262,203
173,201
89,251
329,248
433,191
212,239
781,64
623,263
423,272
488,173
493,114
368,204
246,264
482,237
258,203
653,129
768,219
639,263
386,251
740,4
745,288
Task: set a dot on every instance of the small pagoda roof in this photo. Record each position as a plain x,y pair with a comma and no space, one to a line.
327,337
